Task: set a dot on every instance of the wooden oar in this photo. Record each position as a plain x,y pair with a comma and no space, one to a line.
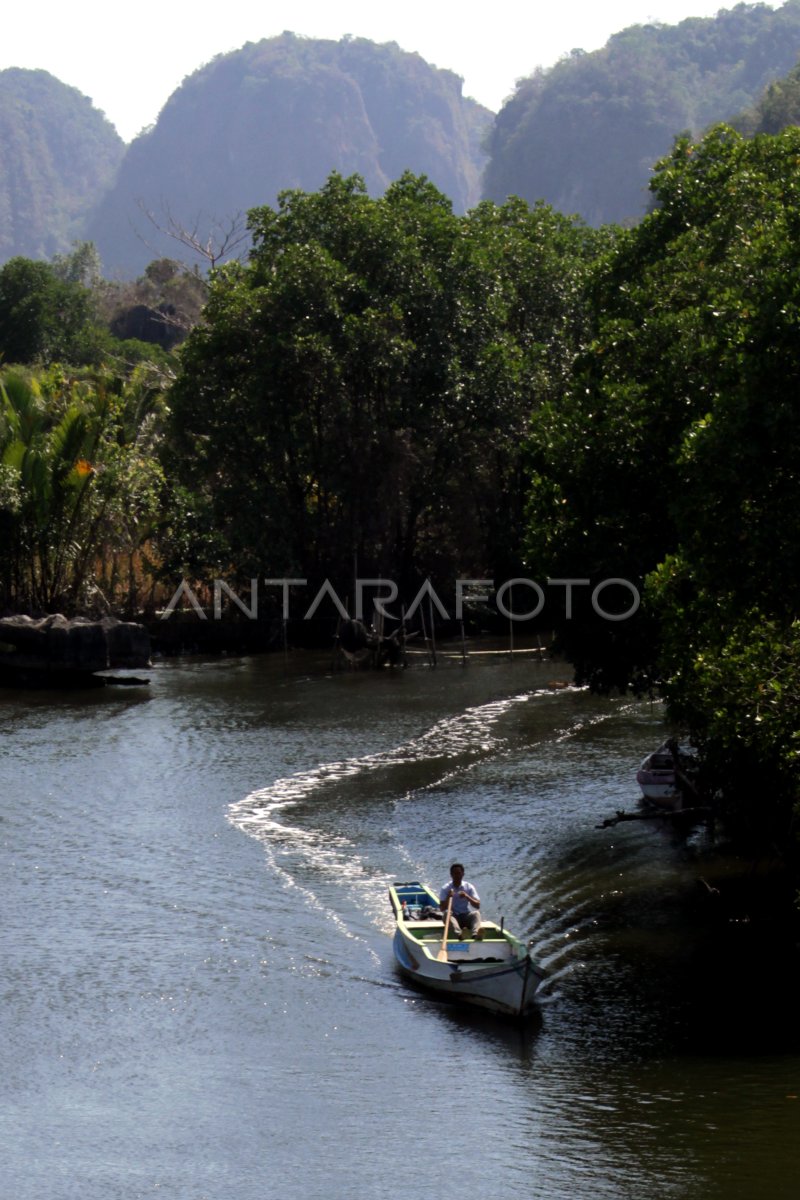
442,955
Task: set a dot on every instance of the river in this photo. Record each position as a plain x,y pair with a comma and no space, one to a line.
199,996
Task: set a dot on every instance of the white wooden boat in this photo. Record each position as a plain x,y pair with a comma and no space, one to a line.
658,776
495,972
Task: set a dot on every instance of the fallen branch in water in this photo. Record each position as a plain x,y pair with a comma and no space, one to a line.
667,814
712,891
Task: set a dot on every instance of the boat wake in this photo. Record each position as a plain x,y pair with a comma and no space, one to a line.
285,815
335,845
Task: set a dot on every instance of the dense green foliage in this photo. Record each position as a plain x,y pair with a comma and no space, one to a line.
80,487
283,113
58,156
676,457
584,135
64,311
360,390
45,317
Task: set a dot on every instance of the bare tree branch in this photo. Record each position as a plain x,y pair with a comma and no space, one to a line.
210,238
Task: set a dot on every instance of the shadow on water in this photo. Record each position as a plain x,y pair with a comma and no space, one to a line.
683,952
44,704
515,1037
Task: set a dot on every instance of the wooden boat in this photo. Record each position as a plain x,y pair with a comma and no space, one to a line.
495,972
658,776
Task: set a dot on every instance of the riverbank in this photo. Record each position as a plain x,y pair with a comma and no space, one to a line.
57,652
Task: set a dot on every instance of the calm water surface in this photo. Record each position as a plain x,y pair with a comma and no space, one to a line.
199,998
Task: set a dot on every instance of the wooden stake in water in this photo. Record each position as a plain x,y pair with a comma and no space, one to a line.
433,634
403,634
424,632
334,655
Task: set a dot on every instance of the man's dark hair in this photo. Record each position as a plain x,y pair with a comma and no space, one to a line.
455,865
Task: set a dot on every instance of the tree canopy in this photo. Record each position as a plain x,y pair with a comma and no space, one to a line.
361,388
777,107
45,316
675,460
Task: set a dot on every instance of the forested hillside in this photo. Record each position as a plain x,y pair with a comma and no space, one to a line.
584,135
57,154
775,109
282,113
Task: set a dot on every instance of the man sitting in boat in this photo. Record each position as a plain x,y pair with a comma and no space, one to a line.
464,915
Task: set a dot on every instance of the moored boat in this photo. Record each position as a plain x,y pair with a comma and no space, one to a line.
660,773
495,972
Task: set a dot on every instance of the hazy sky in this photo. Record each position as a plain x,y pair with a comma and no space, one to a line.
129,58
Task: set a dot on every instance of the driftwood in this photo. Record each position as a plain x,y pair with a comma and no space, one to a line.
655,815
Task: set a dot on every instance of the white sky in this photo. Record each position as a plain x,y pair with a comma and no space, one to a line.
130,57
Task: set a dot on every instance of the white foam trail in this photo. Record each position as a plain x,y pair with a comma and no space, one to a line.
466,733
298,851
264,813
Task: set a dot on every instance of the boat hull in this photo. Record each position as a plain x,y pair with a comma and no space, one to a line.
672,785
497,974
663,792
504,989
658,780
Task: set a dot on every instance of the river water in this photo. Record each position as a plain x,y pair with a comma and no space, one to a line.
199,997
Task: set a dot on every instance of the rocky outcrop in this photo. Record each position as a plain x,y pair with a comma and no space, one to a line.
58,153
55,651
283,113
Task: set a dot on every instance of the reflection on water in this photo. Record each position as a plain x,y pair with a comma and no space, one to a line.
199,993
